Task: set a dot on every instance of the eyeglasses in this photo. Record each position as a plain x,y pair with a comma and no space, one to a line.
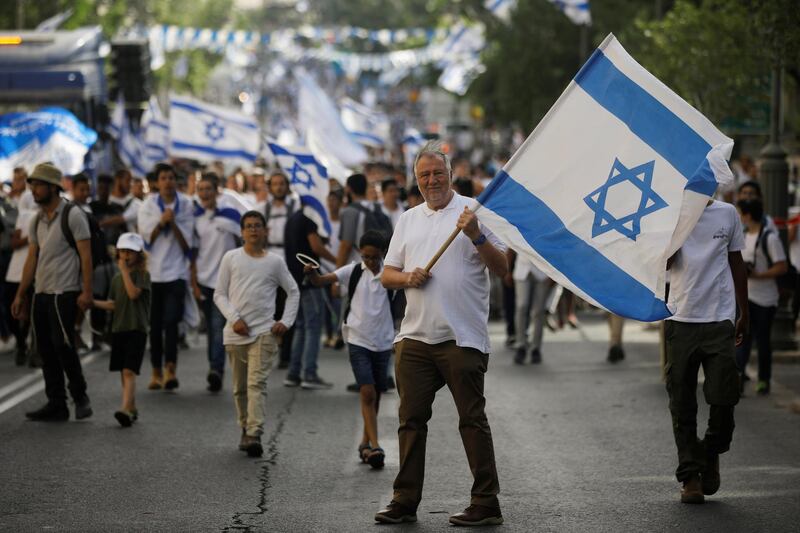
253,227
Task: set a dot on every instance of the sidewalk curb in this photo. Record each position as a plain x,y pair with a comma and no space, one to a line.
786,357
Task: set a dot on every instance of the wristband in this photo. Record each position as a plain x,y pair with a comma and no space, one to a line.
480,240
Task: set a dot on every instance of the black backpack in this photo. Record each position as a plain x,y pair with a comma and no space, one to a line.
375,220
396,298
786,281
97,238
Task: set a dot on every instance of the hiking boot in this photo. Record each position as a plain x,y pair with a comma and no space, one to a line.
243,441
83,408
170,379
692,491
291,381
396,514
536,356
50,412
710,477
315,383
519,356
214,381
616,354
252,445
477,515
156,380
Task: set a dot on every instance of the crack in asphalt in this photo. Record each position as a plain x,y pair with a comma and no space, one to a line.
270,459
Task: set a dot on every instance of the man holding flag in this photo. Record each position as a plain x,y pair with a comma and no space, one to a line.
443,338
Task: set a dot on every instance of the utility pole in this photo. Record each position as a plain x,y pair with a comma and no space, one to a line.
20,14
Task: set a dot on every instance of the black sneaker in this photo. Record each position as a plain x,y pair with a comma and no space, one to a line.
124,418
83,408
315,383
615,354
291,381
214,381
519,357
536,356
354,387
50,412
390,384
396,514
22,356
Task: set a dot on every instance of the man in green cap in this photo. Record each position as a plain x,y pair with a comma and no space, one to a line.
60,262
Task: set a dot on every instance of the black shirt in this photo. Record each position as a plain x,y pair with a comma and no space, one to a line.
298,228
104,210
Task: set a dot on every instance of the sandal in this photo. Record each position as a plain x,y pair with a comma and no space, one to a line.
376,458
364,451
124,418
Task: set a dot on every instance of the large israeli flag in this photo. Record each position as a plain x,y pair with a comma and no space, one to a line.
369,127
609,185
308,178
156,133
207,132
50,134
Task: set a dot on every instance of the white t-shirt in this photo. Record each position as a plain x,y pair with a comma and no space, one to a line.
217,231
454,303
395,215
246,289
369,323
17,262
131,211
701,283
763,292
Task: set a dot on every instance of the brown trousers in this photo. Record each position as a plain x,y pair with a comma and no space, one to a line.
420,370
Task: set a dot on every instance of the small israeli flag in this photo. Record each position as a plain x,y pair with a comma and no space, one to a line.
207,132
50,134
609,185
156,134
369,127
308,178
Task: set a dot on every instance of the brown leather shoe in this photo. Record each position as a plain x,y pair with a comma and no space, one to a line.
252,445
710,477
170,379
477,515
396,514
692,491
156,380
243,441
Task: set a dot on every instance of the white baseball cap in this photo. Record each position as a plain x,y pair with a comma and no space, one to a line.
130,241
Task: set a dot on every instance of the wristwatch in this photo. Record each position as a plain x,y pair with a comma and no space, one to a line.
480,240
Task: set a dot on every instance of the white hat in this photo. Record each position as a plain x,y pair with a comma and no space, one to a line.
130,241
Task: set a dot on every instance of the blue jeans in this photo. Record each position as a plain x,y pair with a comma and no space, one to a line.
307,332
214,324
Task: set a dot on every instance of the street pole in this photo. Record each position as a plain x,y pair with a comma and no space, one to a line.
774,173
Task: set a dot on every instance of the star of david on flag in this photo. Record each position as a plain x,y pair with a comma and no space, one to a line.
609,185
207,132
308,178
630,224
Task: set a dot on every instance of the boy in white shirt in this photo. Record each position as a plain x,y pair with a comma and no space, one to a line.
368,330
247,284
708,280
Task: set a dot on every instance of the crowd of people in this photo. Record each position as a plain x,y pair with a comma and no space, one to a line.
149,257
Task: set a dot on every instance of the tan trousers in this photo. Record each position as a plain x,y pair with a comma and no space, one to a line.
615,325
420,370
250,367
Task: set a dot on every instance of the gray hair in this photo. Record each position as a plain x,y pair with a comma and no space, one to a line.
433,148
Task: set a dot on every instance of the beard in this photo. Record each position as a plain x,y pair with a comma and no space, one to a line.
44,199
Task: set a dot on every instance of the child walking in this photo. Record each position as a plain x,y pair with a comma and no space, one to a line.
245,294
368,330
130,302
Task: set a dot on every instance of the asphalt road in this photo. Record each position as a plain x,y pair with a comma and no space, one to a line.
581,445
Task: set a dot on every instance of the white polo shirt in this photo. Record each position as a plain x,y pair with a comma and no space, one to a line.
701,284
369,323
217,231
454,303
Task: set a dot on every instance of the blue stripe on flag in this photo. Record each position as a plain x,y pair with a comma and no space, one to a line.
316,205
587,268
368,137
649,119
205,111
214,151
306,159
